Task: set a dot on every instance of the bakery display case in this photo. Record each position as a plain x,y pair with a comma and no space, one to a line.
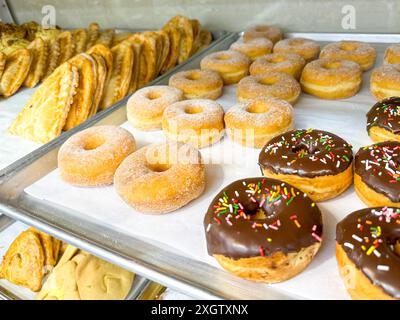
276,121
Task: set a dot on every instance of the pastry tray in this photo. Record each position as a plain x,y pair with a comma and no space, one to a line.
9,230
24,196
13,147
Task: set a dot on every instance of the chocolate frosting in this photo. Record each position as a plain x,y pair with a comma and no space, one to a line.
307,153
385,114
259,216
378,166
368,237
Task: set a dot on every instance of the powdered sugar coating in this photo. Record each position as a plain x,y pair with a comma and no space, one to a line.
307,48
392,54
269,84
389,75
253,48
225,61
263,31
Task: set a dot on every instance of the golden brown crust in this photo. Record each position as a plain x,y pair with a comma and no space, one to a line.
253,48
385,82
106,37
187,37
277,267
101,76
307,48
80,37
355,281
369,196
67,46
378,134
263,31
392,54
39,52
174,36
319,188
93,34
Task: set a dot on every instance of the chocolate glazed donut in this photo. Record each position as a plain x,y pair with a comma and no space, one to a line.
263,229
316,161
377,174
383,120
368,253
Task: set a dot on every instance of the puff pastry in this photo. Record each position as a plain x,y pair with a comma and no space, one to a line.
106,37
67,47
93,34
39,52
80,37
101,80
174,36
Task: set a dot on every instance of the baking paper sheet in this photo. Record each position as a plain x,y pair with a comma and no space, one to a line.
182,231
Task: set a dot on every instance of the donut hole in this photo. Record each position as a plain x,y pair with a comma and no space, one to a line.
193,109
303,150
348,46
193,76
223,56
153,95
158,167
332,65
267,81
257,107
93,143
277,59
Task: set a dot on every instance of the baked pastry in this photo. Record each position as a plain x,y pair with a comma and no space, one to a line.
289,63
253,48
263,229
317,162
270,84
385,82
230,64
38,50
361,52
367,250
198,122
306,48
44,115
392,54
90,157
383,120
331,79
255,122
376,174
198,84
271,33
146,106
161,178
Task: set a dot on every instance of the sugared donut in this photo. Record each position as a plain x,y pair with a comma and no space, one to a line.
307,48
90,157
161,178
198,122
317,162
255,122
263,229
270,84
262,31
367,252
331,79
289,63
231,65
377,174
392,54
361,52
253,48
383,120
146,106
198,84
385,82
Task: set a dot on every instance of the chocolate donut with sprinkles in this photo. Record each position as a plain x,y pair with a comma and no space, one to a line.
377,174
383,120
263,229
368,253
315,161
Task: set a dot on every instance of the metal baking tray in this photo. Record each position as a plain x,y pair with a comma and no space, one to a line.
183,274
10,108
9,291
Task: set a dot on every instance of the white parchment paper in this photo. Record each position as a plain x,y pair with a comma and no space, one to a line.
182,231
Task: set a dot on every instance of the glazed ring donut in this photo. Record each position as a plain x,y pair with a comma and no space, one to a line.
367,250
331,79
253,48
90,157
317,162
289,63
383,120
263,229
362,53
392,54
198,122
198,84
230,64
377,174
271,33
307,48
270,84
254,123
161,178
146,106
385,82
